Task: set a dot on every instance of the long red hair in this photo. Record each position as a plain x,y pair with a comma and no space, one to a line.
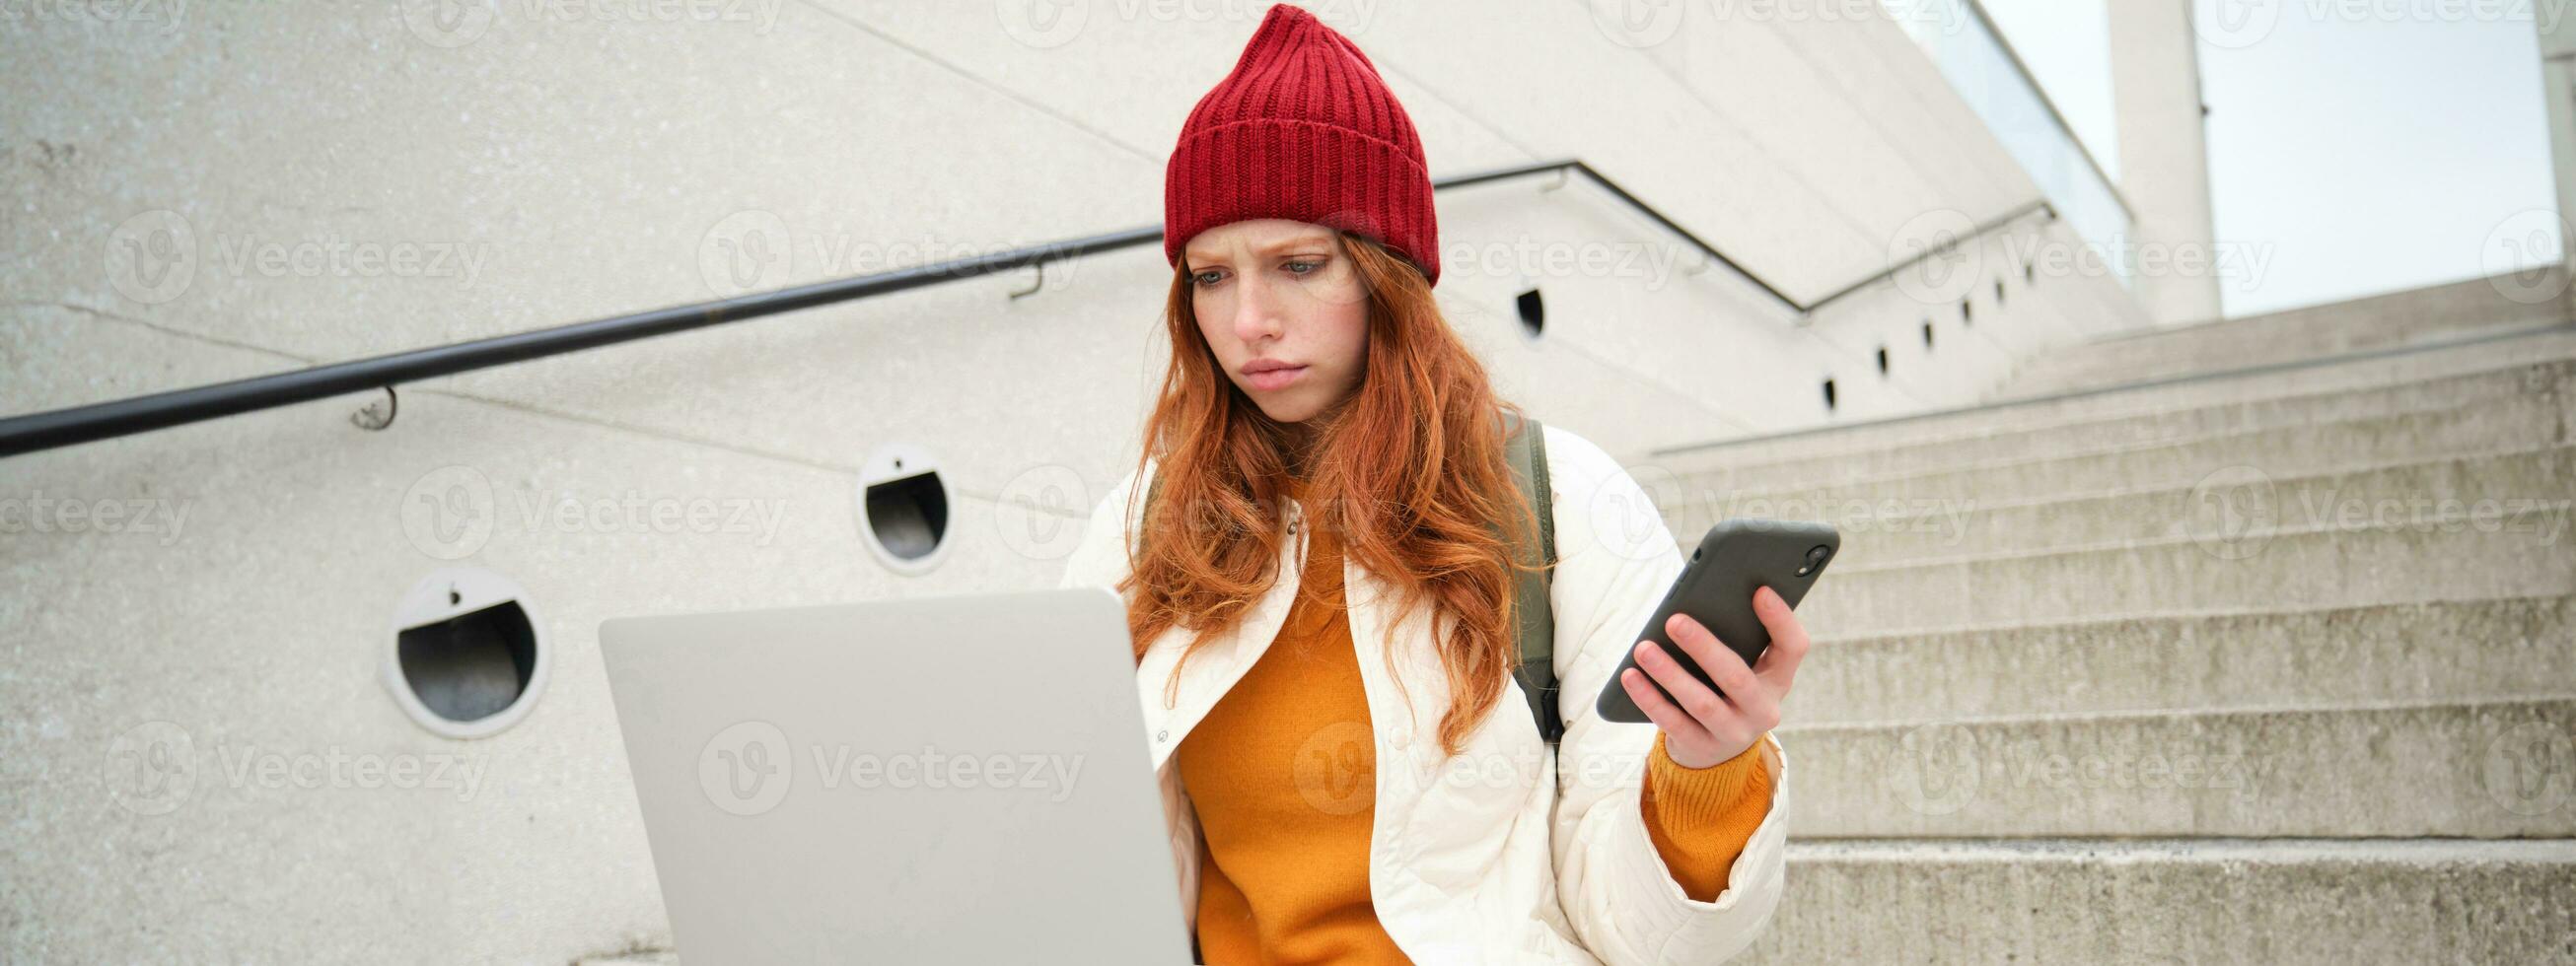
1409,471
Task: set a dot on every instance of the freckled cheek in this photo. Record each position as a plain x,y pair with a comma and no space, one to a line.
1218,340
1353,346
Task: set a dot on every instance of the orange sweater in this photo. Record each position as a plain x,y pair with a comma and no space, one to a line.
1282,773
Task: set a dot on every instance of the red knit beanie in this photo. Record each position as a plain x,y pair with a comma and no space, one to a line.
1304,129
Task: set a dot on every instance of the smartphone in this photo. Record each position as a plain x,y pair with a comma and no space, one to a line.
1735,558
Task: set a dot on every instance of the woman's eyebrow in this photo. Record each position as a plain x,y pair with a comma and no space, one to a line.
1202,258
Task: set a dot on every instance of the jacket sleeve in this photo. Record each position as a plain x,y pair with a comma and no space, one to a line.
1616,559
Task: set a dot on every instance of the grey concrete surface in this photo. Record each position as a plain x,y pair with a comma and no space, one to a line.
2411,316
2518,421
2400,561
2442,770
2117,400
2523,485
2505,647
1929,451
2175,902
2267,667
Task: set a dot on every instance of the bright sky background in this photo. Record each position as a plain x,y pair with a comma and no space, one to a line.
2355,146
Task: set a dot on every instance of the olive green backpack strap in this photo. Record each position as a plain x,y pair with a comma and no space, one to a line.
1525,448
1526,452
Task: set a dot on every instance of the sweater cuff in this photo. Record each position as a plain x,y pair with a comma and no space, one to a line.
1699,794
1700,819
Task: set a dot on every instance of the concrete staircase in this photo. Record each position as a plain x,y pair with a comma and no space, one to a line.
2250,642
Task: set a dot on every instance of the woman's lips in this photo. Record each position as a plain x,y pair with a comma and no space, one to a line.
1275,379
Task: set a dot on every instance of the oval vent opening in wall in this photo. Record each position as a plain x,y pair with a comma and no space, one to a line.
465,659
903,508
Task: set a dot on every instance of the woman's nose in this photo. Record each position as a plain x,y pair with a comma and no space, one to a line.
1256,311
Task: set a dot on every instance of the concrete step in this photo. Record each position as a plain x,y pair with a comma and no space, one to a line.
2498,424
2220,419
2498,769
2412,317
2186,353
2435,558
2239,496
2501,648
2172,903
2112,401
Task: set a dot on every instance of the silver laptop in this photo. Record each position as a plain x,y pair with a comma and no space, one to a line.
958,779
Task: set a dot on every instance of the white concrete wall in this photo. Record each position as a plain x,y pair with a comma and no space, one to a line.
585,166
2164,156
2558,99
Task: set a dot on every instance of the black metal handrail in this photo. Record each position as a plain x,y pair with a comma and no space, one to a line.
1942,247
96,421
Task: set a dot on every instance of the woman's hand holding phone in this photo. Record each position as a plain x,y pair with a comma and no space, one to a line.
1702,727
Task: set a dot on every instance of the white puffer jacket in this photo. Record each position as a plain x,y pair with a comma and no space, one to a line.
1499,855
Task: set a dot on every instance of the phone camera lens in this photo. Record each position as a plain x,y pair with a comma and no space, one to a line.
1815,558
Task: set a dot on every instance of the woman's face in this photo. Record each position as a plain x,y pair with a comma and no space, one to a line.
1273,291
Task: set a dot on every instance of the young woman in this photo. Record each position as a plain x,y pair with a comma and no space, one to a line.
1321,605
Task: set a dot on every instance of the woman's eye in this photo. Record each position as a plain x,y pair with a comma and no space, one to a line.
1311,267
1205,279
